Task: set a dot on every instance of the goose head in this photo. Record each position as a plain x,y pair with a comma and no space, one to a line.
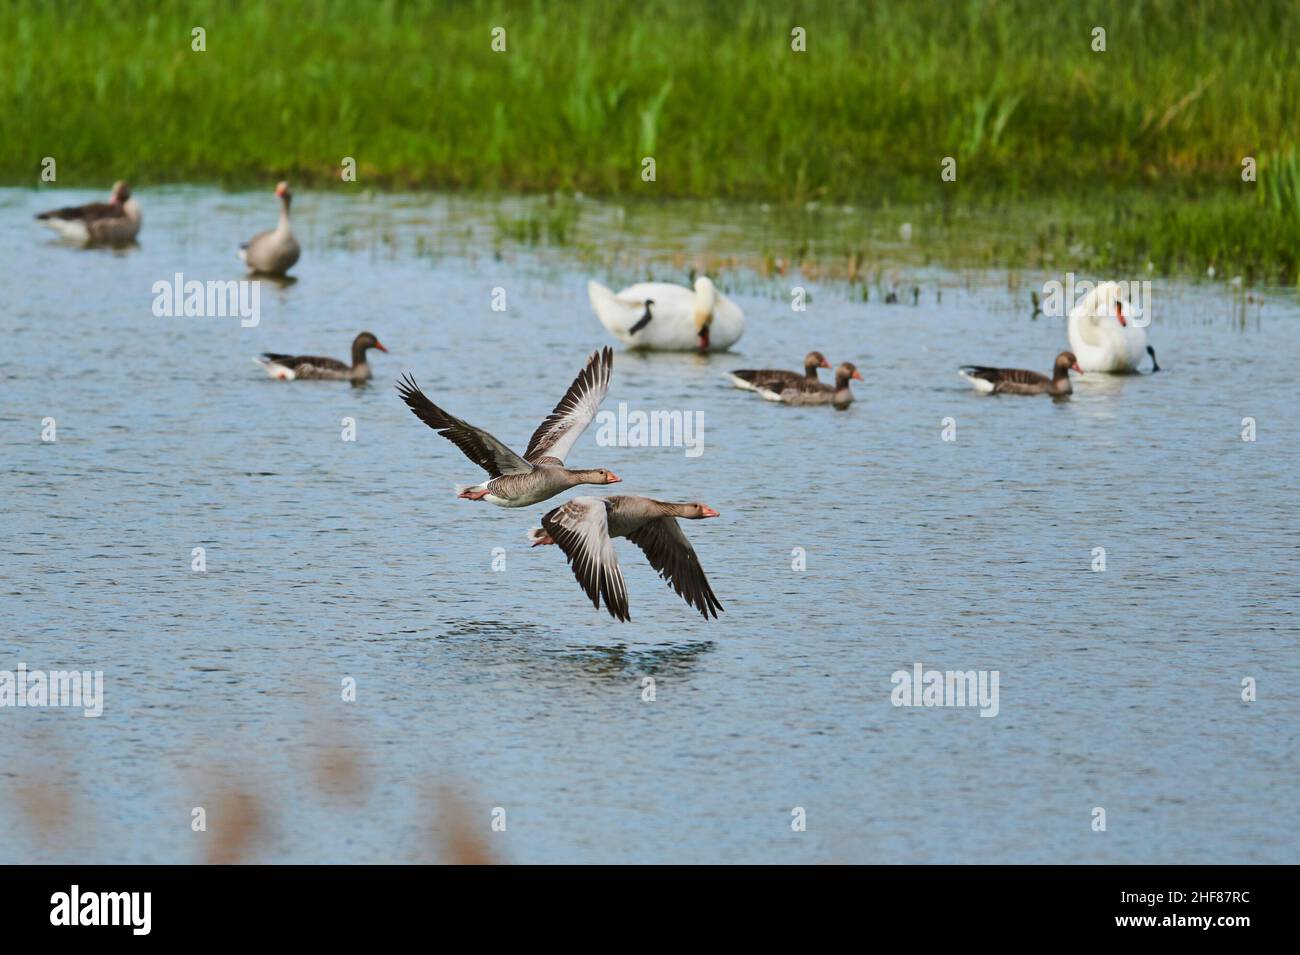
121,192
814,360
286,197
368,340
847,370
706,297
690,512
363,343
1066,363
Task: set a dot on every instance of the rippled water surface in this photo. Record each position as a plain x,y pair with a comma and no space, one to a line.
329,560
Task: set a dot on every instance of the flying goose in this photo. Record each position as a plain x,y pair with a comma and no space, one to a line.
800,391
275,251
540,473
1017,381
114,222
660,316
749,379
294,367
584,527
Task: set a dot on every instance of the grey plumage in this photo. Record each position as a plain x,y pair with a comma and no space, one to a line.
540,473
584,528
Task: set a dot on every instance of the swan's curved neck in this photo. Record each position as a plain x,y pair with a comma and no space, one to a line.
704,302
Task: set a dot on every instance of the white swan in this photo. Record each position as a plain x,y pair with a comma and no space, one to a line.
1102,334
660,316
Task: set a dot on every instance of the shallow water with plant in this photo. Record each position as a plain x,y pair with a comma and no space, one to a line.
329,560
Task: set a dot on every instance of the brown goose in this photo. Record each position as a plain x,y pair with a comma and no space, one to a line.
540,473
273,252
1017,381
749,379
804,392
114,222
294,367
584,527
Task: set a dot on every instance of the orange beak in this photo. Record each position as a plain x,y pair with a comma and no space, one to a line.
824,364
1075,367
613,478
858,375
381,347
708,512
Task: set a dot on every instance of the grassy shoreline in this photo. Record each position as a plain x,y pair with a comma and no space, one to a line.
1145,139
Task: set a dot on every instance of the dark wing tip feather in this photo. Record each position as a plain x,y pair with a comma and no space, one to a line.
406,386
594,579
419,403
570,543
476,444
671,554
594,374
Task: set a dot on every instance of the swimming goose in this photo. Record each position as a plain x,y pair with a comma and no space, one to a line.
659,316
749,379
1102,333
583,529
1017,381
114,222
540,473
273,252
294,367
800,391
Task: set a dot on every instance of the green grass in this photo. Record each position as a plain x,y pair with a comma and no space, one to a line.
1157,124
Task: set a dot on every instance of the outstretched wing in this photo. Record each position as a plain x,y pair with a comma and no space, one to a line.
557,435
479,446
581,529
670,553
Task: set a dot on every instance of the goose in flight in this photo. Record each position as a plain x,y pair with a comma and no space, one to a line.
584,529
516,481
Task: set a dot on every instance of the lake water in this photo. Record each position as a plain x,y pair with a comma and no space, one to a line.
480,690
